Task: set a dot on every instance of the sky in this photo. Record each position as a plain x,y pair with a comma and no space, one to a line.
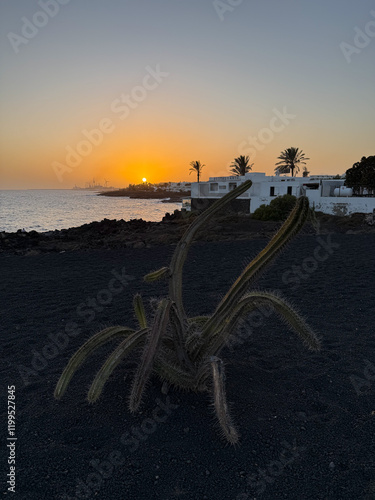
120,90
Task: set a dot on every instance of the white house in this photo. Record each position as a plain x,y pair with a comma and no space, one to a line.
174,186
326,194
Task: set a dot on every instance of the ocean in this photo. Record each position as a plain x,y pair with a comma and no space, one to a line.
46,210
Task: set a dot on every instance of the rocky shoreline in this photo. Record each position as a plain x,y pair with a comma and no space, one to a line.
137,233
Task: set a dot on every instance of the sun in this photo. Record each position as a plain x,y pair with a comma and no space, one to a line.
144,179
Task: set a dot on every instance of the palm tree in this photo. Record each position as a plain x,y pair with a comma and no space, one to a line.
290,158
196,166
241,165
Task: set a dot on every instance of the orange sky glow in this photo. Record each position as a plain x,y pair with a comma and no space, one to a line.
116,95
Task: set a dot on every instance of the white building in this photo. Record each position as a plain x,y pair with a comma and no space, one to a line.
174,186
326,194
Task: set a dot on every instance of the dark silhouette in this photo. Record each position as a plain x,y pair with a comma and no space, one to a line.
241,166
362,176
305,172
182,350
290,158
196,166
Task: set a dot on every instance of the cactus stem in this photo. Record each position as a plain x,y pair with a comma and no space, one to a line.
181,251
140,311
290,227
84,352
220,402
157,275
113,361
145,367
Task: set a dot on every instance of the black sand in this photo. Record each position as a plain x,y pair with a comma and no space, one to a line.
307,420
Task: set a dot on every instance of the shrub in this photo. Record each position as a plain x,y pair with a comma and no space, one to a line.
278,209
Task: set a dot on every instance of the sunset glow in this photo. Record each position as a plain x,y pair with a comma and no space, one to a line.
78,105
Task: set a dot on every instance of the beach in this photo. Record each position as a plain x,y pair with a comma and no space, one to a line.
306,420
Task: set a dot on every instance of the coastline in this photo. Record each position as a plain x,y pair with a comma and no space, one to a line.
159,194
45,211
137,233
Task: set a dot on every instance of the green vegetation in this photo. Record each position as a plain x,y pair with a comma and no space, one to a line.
184,351
362,175
278,209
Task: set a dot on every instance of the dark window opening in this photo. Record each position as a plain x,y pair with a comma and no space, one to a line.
272,191
289,189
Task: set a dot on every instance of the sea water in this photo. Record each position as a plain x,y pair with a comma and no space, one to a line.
46,210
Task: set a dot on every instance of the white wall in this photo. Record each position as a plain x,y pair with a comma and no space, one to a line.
260,193
345,205
313,196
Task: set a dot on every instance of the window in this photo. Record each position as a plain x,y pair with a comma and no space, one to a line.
290,189
222,187
232,185
214,186
272,191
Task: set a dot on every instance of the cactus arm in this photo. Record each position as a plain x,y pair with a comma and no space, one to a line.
180,253
179,339
294,320
249,302
113,361
220,402
84,352
290,228
146,364
140,311
157,275
198,320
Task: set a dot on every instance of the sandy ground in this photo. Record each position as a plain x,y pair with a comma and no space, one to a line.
307,420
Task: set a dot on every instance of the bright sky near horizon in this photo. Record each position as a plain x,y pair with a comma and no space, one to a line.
120,90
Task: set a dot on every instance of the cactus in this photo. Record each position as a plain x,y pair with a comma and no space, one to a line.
184,352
